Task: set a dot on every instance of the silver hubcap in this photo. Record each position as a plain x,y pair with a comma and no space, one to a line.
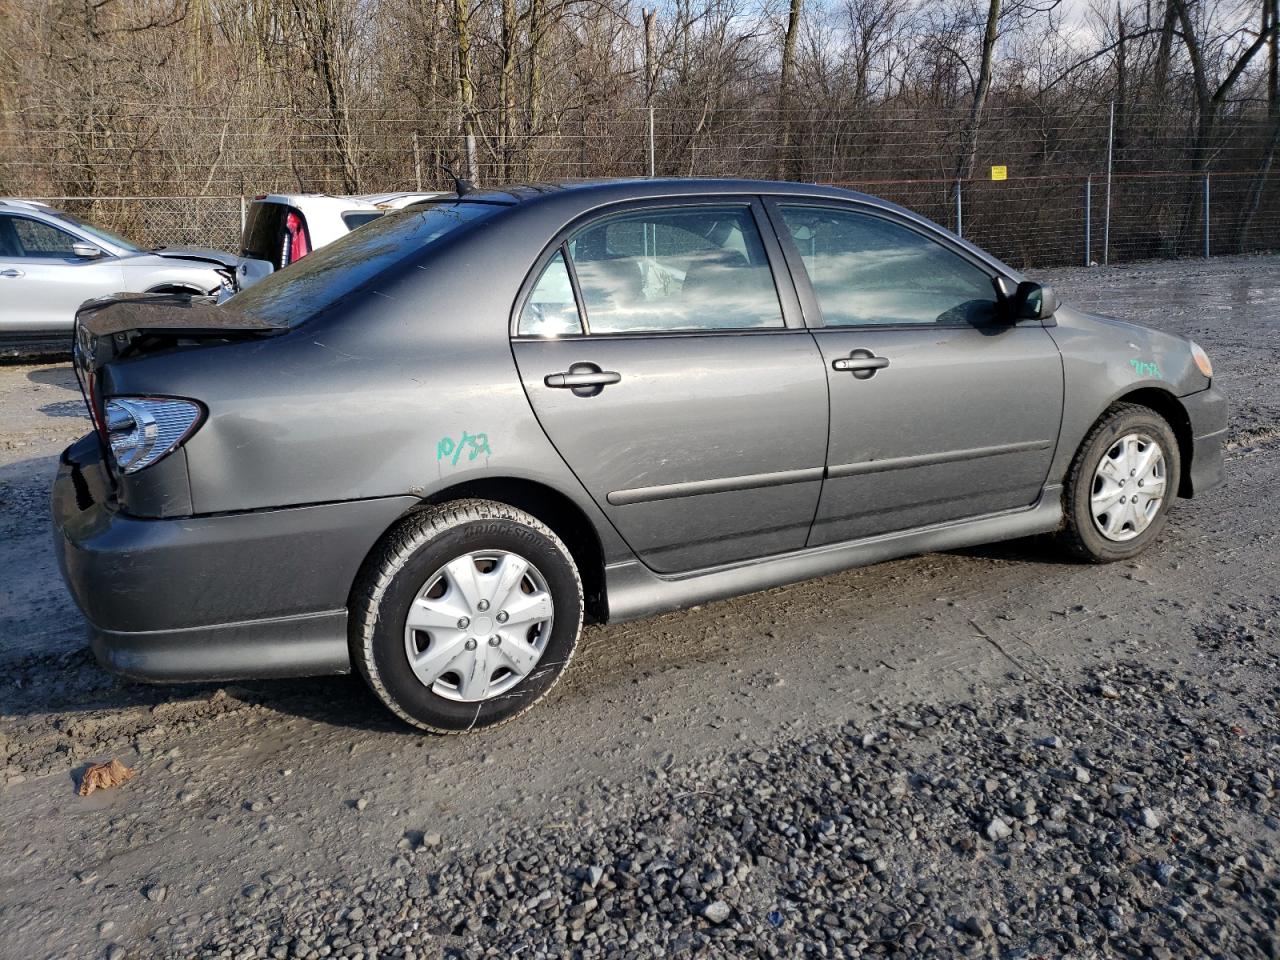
1128,487
479,625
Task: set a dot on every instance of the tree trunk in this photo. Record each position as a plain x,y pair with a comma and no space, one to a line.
1122,84
466,94
789,168
1271,21
507,92
537,43
969,143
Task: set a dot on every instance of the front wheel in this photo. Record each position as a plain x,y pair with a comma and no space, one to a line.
1121,484
466,616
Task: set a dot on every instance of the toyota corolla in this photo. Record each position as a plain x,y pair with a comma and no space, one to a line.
428,451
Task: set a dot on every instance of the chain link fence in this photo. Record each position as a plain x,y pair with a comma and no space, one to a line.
1029,222
152,222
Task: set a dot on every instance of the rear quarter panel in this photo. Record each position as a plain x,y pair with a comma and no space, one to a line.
407,387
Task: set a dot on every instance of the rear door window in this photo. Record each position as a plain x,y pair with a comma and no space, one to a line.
551,310
690,268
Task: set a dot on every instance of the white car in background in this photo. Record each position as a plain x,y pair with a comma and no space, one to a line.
283,227
51,262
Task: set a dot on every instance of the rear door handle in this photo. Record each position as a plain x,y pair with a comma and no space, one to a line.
863,364
584,379
11,273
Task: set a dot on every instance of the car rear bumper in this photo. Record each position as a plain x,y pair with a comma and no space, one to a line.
1207,412
260,594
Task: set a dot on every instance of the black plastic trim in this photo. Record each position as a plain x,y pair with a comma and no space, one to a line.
928,459
693,488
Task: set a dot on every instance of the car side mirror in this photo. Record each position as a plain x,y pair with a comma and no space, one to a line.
86,251
1035,301
1027,300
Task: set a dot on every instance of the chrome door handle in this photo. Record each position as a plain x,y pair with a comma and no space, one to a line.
601,379
863,364
11,273
584,379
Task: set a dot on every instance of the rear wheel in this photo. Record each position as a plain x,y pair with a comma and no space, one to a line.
467,616
1121,484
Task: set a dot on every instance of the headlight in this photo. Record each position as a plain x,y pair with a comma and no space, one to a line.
1202,359
141,430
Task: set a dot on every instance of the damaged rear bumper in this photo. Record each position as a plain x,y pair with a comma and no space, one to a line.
258,594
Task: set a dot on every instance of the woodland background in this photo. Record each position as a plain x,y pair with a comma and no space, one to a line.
202,102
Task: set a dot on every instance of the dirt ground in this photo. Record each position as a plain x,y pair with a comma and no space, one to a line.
310,781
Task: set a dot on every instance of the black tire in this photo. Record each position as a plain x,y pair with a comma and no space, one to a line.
1081,536
410,555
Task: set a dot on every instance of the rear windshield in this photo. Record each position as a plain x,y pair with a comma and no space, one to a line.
321,279
358,218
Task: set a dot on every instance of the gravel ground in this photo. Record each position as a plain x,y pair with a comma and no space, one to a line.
987,752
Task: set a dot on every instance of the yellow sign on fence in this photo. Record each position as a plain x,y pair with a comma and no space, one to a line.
1000,173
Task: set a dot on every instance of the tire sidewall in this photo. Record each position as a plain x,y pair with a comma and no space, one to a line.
1090,536
391,663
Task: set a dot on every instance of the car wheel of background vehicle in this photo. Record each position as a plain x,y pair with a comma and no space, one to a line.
1121,484
466,615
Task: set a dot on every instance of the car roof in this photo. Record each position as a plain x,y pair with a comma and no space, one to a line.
575,197
654,187
365,201
17,203
400,198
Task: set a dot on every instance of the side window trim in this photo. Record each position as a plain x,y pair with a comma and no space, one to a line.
810,307
784,284
583,320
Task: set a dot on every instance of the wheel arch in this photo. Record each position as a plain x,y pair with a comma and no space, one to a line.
177,287
1165,403
558,511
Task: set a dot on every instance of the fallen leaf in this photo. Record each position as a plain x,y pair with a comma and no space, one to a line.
104,776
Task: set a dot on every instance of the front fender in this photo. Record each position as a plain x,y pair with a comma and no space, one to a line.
1106,360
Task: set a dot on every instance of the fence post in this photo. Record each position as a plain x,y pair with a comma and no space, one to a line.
959,209
1106,224
417,162
1088,218
1205,215
651,163
244,214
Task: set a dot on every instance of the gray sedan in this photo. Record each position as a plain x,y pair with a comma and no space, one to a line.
51,262
428,451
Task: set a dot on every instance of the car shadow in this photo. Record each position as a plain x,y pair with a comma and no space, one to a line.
1039,549
57,374
75,683
65,408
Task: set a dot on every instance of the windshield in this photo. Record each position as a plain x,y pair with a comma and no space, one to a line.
320,279
99,234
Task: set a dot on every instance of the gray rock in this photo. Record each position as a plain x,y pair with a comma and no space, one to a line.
998,830
717,911
979,927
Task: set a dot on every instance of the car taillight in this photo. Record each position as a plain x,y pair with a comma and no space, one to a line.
296,242
142,430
